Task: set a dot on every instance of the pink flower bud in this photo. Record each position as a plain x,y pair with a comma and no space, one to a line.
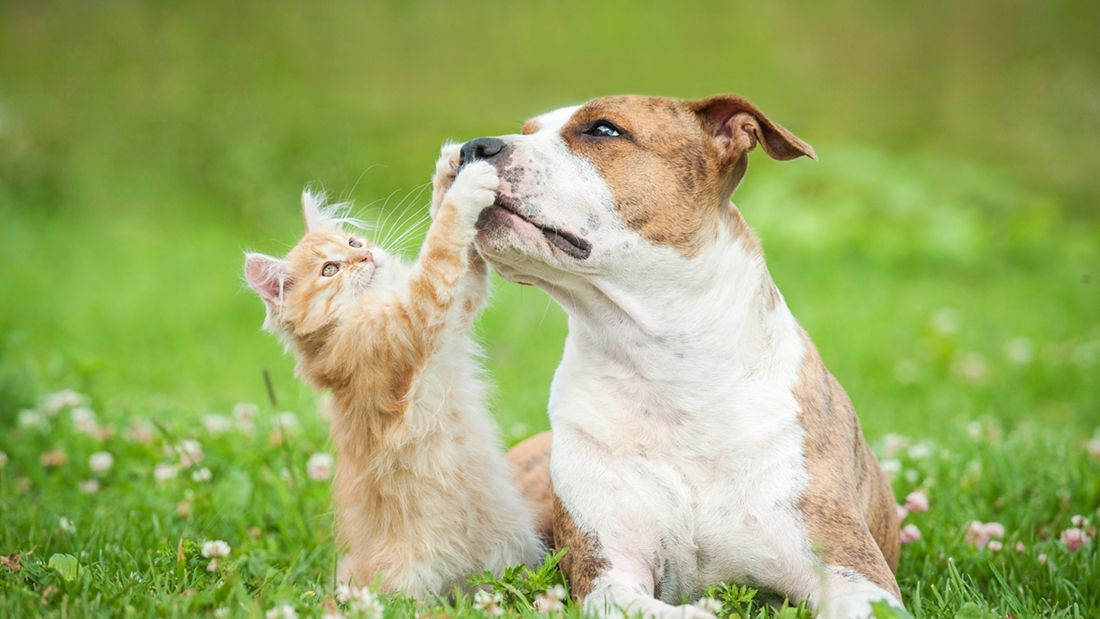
909,533
917,501
1074,538
902,512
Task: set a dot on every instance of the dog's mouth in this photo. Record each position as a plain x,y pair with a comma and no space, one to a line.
569,243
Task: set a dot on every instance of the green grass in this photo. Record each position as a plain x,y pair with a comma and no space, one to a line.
943,254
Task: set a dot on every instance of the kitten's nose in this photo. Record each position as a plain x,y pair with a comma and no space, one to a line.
367,257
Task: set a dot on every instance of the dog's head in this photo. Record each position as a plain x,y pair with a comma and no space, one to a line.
585,189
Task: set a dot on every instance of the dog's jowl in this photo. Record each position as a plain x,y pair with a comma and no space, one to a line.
697,436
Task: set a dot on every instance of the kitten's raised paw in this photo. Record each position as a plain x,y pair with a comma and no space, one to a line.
446,168
474,189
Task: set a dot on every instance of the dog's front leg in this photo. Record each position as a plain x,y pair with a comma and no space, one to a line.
612,522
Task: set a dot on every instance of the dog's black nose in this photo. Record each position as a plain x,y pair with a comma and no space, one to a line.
481,148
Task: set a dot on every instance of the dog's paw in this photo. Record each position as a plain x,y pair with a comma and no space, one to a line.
473,190
446,168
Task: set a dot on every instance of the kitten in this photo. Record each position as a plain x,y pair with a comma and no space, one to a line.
422,493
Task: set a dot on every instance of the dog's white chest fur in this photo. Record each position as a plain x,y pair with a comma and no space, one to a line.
709,450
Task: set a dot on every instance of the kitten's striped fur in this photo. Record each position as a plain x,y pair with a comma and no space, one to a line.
422,495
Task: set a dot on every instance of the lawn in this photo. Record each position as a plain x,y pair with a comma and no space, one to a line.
944,254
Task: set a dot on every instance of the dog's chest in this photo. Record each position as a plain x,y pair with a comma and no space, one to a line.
738,520
720,477
717,461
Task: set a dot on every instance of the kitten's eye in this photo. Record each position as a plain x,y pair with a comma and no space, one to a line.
330,269
356,243
603,129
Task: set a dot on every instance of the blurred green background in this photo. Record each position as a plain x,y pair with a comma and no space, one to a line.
943,253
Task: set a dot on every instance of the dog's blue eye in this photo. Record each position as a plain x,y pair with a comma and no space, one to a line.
604,129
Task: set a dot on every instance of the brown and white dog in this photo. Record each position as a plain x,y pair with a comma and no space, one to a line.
697,436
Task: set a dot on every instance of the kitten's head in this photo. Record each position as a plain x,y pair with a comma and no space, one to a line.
325,276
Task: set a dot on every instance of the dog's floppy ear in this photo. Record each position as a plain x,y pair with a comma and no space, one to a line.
738,126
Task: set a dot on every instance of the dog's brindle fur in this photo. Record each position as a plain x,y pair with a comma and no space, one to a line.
669,179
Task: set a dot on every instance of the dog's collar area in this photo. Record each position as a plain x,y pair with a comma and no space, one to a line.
570,244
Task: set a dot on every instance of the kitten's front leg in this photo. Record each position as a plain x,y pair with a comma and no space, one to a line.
444,257
475,284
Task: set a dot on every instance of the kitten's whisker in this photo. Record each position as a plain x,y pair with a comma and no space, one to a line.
410,198
407,219
399,244
355,185
383,208
384,232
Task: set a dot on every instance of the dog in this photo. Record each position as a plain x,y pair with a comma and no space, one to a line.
697,435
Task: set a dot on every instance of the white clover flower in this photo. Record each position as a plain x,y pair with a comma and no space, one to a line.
140,432
286,611
215,549
920,451
3,459
550,601
891,467
972,367
344,592
84,421
66,398
221,612
1019,350
90,486
100,462
66,525
1093,447
368,604
190,452
32,419
946,320
319,466
286,420
710,605
217,424
362,600
202,475
892,444
489,603
165,472
245,415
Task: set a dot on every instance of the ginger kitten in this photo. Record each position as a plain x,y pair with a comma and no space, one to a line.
422,493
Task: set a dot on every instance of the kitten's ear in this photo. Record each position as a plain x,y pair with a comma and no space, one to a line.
311,210
269,277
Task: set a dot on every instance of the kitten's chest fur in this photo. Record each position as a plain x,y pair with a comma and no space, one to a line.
424,494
